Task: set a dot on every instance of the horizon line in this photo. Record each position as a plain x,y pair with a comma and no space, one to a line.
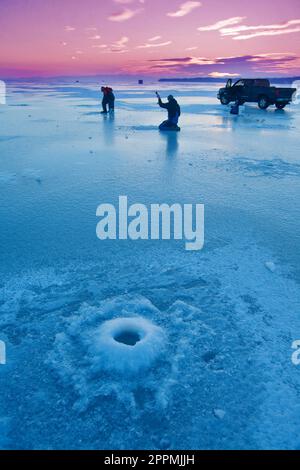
99,76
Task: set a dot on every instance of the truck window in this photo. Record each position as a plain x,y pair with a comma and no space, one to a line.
239,83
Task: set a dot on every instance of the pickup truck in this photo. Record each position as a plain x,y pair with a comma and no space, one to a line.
256,90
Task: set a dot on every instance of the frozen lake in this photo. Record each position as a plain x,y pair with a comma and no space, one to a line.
228,313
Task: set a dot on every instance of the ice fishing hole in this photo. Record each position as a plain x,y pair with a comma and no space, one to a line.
127,345
128,337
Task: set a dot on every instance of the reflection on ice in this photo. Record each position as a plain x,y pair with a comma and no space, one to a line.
171,139
108,127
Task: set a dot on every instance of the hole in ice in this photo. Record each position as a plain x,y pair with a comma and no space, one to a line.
127,344
130,338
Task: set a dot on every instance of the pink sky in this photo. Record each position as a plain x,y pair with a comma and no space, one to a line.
154,37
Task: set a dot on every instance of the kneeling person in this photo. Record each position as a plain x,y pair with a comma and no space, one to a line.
174,112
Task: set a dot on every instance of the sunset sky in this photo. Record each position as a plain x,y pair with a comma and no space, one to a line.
149,37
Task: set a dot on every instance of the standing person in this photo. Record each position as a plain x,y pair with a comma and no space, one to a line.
173,108
108,99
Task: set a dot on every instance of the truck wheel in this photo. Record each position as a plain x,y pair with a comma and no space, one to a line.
224,100
263,102
280,105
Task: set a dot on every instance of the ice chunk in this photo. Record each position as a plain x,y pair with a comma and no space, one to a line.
220,414
270,266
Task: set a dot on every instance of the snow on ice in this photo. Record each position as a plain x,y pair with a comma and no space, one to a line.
126,345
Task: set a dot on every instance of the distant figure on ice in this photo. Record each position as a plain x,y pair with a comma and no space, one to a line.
174,112
235,108
108,99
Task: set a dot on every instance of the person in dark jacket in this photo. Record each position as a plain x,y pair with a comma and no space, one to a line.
108,99
173,108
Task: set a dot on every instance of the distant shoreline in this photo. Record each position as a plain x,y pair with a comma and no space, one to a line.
219,79
115,78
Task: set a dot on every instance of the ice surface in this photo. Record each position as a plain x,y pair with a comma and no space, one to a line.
228,319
